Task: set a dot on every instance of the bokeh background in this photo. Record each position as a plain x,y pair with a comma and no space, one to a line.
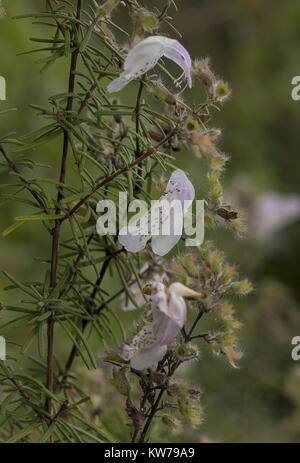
255,46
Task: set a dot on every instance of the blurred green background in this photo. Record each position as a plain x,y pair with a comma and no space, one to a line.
255,46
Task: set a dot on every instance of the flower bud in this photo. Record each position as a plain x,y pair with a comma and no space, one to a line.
192,125
163,94
202,143
120,381
238,226
232,355
189,266
241,288
215,193
205,250
148,20
231,323
220,91
216,260
228,273
147,289
171,421
203,72
187,351
214,133
227,338
217,160
177,390
209,220
224,310
191,412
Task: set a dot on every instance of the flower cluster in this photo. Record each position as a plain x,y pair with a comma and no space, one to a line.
200,279
168,316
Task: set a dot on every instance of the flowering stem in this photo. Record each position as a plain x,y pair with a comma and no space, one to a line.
104,304
137,130
137,119
171,370
57,226
151,416
73,352
123,170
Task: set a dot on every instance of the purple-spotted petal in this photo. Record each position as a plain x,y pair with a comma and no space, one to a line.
179,189
169,316
135,238
144,56
141,58
148,358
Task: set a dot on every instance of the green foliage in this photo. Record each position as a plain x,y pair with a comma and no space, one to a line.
104,146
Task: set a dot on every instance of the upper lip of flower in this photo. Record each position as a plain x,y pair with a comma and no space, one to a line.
169,316
144,56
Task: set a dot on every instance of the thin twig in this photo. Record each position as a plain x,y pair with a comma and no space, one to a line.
12,165
57,226
111,177
162,365
102,306
138,152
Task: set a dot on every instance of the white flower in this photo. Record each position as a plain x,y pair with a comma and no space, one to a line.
180,193
144,56
168,318
140,298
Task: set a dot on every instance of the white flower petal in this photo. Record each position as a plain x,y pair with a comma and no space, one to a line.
177,53
148,358
167,329
132,242
135,237
120,82
180,290
159,300
144,56
163,244
177,305
180,187
141,58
